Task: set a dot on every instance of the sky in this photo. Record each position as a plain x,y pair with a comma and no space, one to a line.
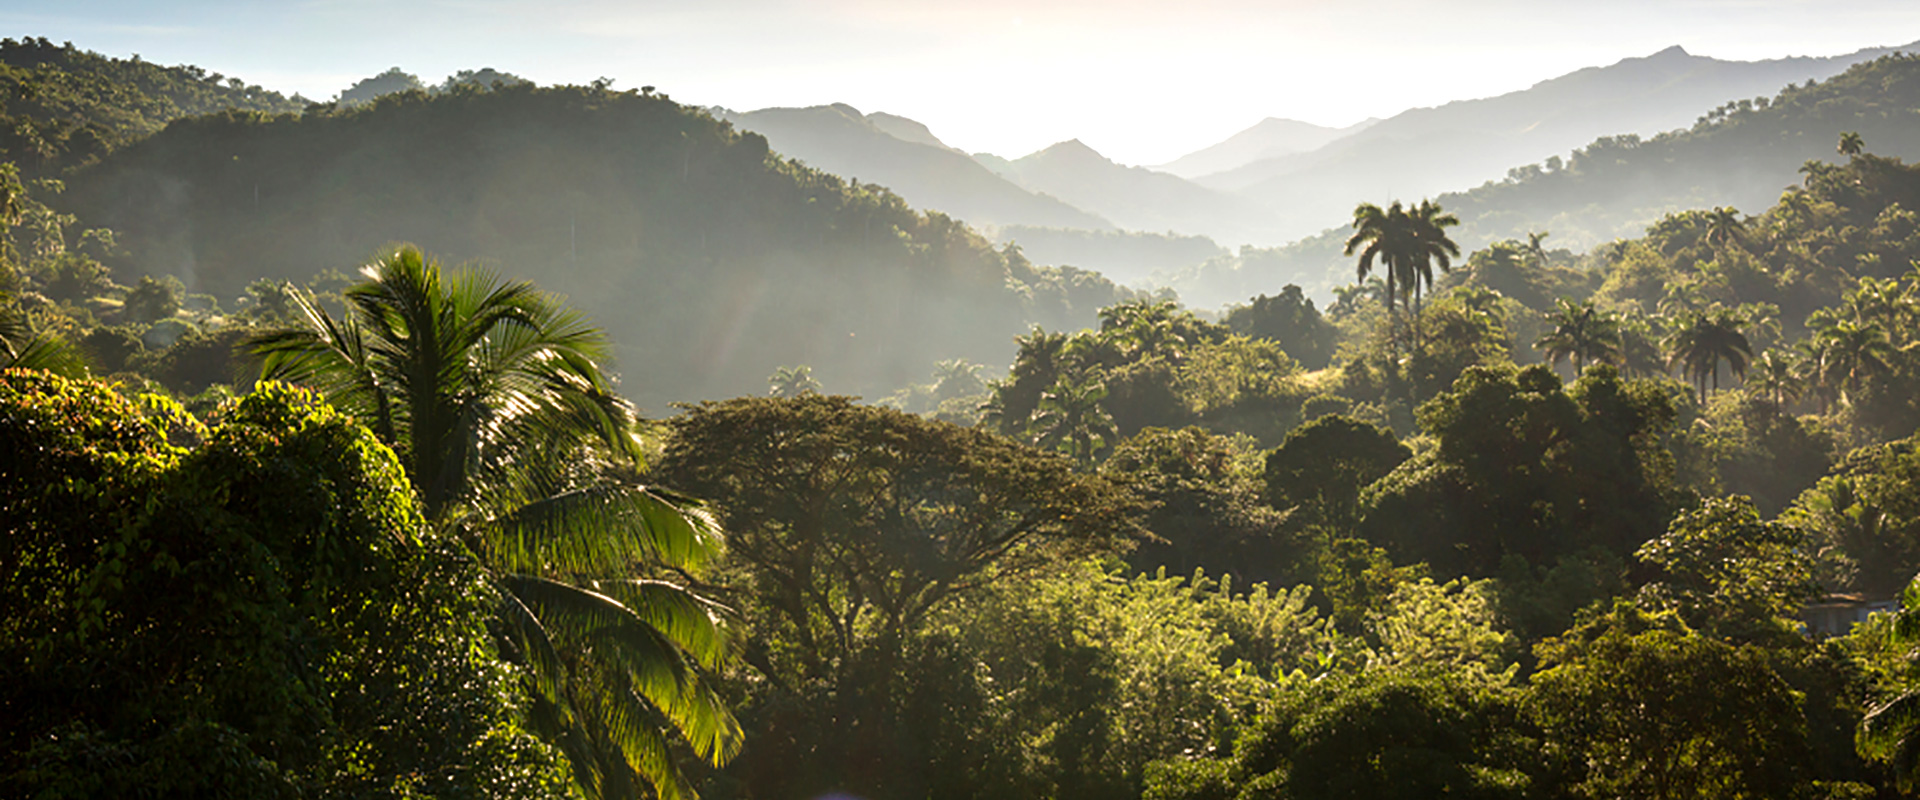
1141,82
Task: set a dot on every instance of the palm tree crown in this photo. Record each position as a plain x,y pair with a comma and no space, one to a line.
1701,340
493,396
1581,333
1408,243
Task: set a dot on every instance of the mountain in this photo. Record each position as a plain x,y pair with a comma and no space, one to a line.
1135,198
904,156
709,260
62,107
1270,138
1738,155
1423,152
907,130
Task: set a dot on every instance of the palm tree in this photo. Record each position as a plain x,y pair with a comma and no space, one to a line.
1536,249
1701,340
1384,236
1725,227
22,348
1891,731
1776,376
1431,248
1072,419
791,382
958,377
493,396
1851,144
1582,333
1846,353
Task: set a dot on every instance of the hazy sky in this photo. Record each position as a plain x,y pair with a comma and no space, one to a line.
1142,82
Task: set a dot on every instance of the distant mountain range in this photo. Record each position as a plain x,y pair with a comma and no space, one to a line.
1279,180
1740,155
1271,138
904,156
1135,198
1426,151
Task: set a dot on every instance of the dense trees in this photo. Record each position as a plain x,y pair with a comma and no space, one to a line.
253,609
515,442
853,526
1480,578
1524,466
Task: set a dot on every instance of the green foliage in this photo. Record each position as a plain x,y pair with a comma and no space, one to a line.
262,615
1729,573
1204,506
850,528
366,90
1864,520
617,199
1388,733
63,107
1524,466
1322,466
1640,705
493,396
1095,676
1288,320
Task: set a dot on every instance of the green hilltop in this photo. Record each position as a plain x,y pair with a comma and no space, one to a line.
710,259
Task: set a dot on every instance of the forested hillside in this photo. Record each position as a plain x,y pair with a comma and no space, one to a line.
1500,521
709,258
1741,154
1425,151
63,107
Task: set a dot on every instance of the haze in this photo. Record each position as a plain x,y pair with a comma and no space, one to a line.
1142,82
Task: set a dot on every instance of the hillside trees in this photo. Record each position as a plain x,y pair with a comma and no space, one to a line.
493,395
253,609
620,198
853,526
1526,467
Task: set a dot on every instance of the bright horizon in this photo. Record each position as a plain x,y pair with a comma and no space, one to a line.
1141,82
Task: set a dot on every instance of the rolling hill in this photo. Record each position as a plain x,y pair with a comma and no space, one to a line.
1270,138
1424,152
708,258
1740,156
905,157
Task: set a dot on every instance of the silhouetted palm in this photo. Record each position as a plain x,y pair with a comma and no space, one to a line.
1851,144
1725,227
1072,419
1700,341
1431,248
1383,236
1581,333
791,382
1846,354
493,397
1536,247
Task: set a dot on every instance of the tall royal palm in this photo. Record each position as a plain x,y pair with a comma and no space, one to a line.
1701,340
1407,243
1384,236
1431,248
1581,333
492,394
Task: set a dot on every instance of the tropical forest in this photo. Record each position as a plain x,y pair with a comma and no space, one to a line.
496,438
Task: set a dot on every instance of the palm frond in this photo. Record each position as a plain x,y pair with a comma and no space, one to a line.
658,670
690,621
605,525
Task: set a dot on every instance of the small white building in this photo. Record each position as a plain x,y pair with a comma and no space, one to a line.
1838,613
